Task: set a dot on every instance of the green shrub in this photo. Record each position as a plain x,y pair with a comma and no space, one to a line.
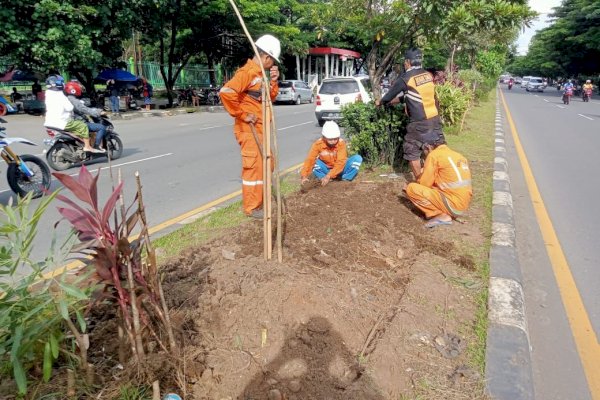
375,132
32,311
471,78
454,102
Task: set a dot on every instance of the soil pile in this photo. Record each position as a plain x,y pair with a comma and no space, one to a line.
367,304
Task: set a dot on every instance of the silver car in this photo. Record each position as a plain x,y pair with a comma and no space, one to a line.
535,84
294,92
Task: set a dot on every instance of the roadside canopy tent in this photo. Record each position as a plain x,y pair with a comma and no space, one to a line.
20,75
116,74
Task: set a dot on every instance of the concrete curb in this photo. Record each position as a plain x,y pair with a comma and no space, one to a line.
508,359
167,113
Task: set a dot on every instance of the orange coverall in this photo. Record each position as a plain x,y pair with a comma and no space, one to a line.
334,157
445,185
240,97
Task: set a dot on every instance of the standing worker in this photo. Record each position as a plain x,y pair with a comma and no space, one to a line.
417,87
443,192
328,158
241,97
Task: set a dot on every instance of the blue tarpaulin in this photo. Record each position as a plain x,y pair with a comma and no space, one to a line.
117,75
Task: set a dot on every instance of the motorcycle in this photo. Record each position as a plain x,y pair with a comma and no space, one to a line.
26,173
66,149
510,85
587,95
566,98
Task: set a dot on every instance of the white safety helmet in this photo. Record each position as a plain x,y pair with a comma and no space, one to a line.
331,130
270,45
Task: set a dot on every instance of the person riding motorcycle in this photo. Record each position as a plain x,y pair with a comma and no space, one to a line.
587,88
73,90
59,112
511,81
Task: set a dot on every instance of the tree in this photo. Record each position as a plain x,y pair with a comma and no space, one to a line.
74,35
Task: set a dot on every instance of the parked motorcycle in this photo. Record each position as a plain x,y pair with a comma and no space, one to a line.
26,173
587,95
66,149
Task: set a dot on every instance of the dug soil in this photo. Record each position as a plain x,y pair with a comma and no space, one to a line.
367,304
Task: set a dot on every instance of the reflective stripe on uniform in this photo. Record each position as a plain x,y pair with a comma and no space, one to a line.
455,168
455,185
453,212
251,183
226,89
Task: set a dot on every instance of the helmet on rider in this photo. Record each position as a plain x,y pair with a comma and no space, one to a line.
588,81
270,45
331,130
73,88
55,82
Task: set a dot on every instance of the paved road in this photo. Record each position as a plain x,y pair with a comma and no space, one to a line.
184,161
561,144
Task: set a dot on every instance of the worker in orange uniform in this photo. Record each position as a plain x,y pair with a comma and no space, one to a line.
241,97
328,158
443,192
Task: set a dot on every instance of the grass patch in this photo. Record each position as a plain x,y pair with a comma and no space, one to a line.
476,142
212,225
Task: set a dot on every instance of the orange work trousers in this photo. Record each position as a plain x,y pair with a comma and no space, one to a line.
252,171
429,200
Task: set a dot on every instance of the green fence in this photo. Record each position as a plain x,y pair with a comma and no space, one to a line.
194,74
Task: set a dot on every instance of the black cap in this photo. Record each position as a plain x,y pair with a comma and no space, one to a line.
414,55
432,138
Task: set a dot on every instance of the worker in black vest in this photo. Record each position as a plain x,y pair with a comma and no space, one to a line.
416,86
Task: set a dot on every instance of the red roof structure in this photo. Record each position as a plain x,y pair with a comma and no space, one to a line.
319,51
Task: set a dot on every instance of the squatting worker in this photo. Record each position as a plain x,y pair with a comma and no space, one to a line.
417,87
443,192
328,157
241,97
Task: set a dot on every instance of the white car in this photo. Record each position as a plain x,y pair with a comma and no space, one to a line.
535,84
337,92
524,81
294,92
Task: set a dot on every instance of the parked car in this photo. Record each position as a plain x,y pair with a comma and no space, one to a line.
518,80
294,92
535,84
337,92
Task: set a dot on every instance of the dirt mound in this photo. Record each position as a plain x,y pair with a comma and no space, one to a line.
366,305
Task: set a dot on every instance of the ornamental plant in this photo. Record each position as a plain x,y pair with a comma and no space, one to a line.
125,264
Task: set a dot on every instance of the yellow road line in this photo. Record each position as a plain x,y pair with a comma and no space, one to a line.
170,222
581,327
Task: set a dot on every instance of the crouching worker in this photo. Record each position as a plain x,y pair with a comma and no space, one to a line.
443,192
328,158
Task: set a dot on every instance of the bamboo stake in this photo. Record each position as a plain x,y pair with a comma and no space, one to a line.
266,99
278,194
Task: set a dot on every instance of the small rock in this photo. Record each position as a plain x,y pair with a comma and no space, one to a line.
228,255
353,293
293,343
272,382
400,254
275,394
294,386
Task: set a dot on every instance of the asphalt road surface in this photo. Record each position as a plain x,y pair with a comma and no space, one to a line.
184,161
561,144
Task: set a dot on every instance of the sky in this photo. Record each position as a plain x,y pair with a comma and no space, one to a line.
543,7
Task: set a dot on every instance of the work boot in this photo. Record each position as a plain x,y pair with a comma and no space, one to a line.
257,214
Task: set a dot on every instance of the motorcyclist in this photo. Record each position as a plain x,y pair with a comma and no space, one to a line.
587,86
59,112
511,81
73,90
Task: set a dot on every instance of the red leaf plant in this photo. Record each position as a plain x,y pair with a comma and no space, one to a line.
128,281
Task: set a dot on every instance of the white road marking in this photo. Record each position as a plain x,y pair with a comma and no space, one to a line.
116,165
536,95
293,126
129,162
559,106
546,100
585,116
